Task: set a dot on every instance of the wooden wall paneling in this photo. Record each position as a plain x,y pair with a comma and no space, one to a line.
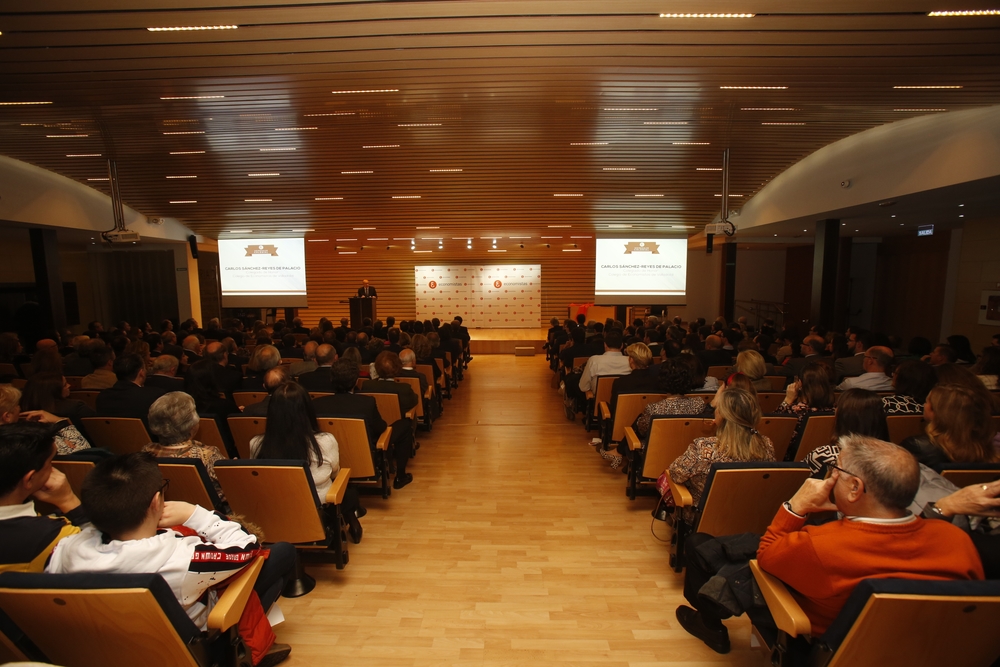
909,286
798,285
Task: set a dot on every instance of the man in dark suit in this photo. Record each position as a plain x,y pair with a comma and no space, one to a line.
713,354
273,379
227,377
164,374
320,379
387,367
345,403
128,397
813,348
409,361
367,291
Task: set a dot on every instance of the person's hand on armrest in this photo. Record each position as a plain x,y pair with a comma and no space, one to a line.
58,492
974,500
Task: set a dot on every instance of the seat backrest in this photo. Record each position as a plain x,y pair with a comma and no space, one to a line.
388,406
770,400
743,497
121,435
902,427
579,362
189,482
913,622
628,408
818,431
352,440
95,620
245,398
75,382
415,386
602,390
720,372
428,372
966,474
780,431
75,470
778,382
209,434
277,495
8,369
87,396
244,429
669,437
319,394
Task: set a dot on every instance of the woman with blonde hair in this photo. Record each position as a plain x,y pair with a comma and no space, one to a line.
752,365
141,348
960,428
736,439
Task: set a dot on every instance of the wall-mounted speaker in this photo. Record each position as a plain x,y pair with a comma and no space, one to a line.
193,241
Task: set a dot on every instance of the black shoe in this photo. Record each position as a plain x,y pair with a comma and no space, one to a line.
691,620
360,512
355,533
400,482
275,655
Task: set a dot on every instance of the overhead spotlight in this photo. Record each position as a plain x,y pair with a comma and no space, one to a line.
547,245
574,245
387,247
522,245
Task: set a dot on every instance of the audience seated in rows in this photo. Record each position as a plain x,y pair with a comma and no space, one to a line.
875,362
319,379
960,428
264,358
163,374
911,382
308,362
51,392
643,377
128,397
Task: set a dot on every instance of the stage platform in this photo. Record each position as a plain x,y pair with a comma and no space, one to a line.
503,341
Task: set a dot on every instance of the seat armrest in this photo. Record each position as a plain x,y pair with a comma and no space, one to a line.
335,495
632,439
787,613
383,440
429,394
605,410
227,611
590,394
681,495
411,413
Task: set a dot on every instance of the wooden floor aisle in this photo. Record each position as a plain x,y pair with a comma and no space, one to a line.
515,545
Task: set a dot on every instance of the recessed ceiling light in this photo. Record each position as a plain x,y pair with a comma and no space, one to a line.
105,178
293,129
187,132
18,104
328,198
335,113
630,109
182,177
706,16
261,200
708,168
193,27
186,152
418,125
406,196
84,155
267,150
967,12
664,122
690,143
567,195
805,230
383,146
318,240
960,205
571,250
768,109
753,87
351,92
589,143
193,97
920,110
775,234
648,195
358,172
926,87
363,229
891,216
441,171
782,123
619,168
65,136
961,216
264,173
184,201
558,226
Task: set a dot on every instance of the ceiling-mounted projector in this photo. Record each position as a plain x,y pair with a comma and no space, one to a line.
121,236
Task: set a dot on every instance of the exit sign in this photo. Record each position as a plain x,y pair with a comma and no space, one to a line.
925,230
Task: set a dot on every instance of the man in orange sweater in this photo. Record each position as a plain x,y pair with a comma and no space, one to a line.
876,537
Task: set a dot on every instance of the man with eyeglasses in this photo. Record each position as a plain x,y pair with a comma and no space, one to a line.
876,361
875,536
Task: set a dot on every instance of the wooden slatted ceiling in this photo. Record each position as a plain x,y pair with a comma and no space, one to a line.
568,277
500,90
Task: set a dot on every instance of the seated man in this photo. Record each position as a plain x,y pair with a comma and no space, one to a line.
876,537
388,366
876,362
163,374
308,363
129,397
26,473
134,530
319,379
612,362
273,379
102,358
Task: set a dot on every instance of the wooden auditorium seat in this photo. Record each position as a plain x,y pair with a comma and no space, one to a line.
368,465
189,482
669,437
244,429
122,435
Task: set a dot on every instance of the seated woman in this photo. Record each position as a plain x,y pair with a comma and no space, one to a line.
911,381
736,381
15,407
736,439
425,353
959,429
988,367
859,412
174,420
354,354
811,394
675,380
141,348
50,392
293,433
751,364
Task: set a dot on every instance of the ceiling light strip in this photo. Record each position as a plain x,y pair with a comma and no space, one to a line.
193,27
707,16
753,87
966,12
353,92
18,104
186,152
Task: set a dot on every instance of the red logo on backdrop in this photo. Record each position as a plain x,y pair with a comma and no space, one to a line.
497,284
432,285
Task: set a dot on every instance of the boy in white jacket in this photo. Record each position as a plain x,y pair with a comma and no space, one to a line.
133,530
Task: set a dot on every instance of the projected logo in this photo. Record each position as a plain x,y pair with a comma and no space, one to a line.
497,284
642,246
271,250
432,284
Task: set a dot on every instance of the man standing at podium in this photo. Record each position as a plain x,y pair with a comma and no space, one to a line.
366,291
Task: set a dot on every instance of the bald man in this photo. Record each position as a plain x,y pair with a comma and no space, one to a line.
876,364
713,354
308,363
367,291
321,378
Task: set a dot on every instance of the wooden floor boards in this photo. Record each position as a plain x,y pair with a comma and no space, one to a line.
514,545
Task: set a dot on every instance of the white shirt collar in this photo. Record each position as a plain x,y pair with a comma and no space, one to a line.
17,511
868,519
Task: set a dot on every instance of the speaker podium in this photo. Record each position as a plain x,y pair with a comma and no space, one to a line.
361,308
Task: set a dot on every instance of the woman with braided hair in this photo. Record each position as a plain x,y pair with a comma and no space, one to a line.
736,438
